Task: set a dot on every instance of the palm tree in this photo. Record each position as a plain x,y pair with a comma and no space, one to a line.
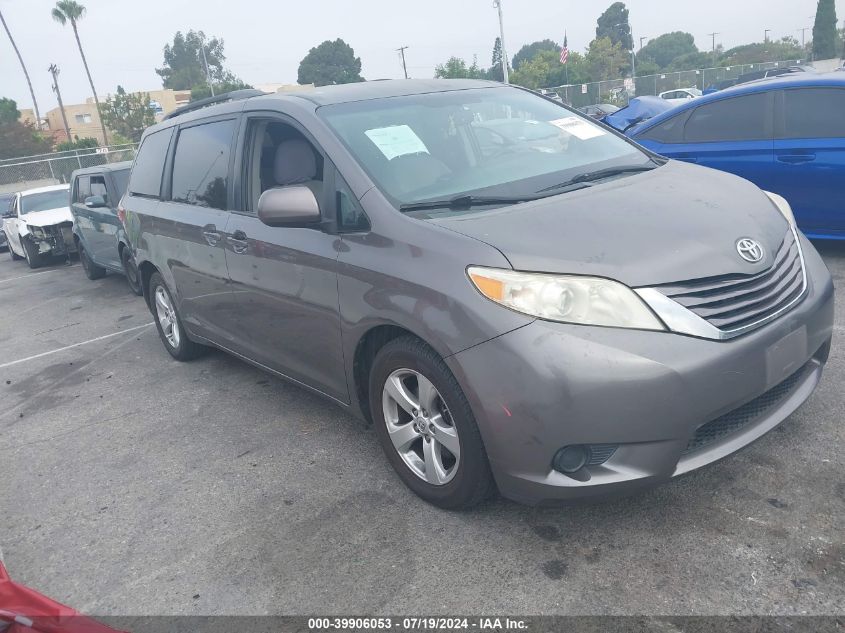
71,11
26,74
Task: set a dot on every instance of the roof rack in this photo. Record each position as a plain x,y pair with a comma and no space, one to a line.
235,95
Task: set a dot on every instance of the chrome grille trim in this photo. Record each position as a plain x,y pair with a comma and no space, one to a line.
692,307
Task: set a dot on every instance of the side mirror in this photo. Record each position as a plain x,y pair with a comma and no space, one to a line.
95,202
295,205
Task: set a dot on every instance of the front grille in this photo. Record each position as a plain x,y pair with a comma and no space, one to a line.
738,418
733,302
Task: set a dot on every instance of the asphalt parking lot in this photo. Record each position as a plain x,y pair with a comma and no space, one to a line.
133,484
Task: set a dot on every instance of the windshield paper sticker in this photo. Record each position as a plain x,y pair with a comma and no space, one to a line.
397,140
578,127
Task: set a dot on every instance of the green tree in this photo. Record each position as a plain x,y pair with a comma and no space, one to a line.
184,65
537,72
23,67
457,68
86,142
613,23
228,84
605,59
774,50
529,51
16,138
495,72
330,63
128,115
667,48
825,40
71,11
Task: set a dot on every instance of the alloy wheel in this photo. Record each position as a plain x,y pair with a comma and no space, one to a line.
421,427
167,317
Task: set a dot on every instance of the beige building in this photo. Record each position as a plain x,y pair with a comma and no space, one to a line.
84,121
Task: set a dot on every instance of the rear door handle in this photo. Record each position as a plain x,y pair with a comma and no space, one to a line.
239,241
796,159
209,232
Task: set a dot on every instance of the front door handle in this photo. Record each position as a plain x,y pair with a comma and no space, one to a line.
209,232
796,159
239,241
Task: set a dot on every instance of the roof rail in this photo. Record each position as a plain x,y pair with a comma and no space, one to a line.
235,95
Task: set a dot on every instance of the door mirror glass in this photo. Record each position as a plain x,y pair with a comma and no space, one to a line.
295,205
95,202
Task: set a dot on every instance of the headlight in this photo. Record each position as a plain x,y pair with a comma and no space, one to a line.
783,206
37,232
565,298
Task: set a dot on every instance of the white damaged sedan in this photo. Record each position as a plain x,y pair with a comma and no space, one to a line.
38,224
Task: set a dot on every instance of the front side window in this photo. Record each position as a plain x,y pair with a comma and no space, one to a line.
670,131
487,141
83,189
737,119
44,201
814,113
149,164
98,188
201,164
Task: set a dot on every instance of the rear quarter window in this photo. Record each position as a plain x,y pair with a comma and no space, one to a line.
149,164
814,113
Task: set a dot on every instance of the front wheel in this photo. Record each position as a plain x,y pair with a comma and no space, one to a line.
15,257
426,427
92,271
168,323
31,253
130,269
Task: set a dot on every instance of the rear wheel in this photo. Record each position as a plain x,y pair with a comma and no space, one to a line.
426,427
31,253
130,269
169,324
92,271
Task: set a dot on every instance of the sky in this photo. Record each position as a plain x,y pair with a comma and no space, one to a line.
266,39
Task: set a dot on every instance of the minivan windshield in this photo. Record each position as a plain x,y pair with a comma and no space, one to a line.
44,201
498,141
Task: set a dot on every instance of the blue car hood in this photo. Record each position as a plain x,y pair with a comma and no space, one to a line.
638,110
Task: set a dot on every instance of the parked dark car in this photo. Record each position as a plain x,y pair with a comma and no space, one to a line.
599,111
756,75
785,134
638,110
560,319
98,223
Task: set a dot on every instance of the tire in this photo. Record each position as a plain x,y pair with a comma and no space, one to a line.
169,325
454,482
91,270
130,269
32,256
15,257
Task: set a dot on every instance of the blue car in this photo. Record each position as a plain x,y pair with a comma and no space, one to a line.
784,134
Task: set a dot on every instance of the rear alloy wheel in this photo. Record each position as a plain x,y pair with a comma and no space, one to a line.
31,253
92,271
130,269
169,324
426,426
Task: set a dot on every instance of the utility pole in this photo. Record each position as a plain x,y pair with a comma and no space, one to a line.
713,35
498,5
54,70
766,35
205,61
401,50
804,36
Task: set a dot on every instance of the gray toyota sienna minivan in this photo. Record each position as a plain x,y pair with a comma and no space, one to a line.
515,296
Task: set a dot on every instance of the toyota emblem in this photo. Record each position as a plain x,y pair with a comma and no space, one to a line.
750,250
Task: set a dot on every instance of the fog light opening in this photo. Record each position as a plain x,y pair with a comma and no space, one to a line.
571,459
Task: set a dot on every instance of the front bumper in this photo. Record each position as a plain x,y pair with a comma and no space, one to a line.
56,239
549,385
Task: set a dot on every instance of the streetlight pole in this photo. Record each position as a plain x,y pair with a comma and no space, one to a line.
498,5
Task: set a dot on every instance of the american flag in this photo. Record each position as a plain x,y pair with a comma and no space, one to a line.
564,52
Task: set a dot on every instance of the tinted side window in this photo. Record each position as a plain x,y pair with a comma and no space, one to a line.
201,164
149,164
83,189
671,131
98,187
738,119
814,113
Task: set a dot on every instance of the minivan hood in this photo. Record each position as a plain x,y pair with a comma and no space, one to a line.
675,223
48,217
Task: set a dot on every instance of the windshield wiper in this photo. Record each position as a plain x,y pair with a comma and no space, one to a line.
592,176
466,202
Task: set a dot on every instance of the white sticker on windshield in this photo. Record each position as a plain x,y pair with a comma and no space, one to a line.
397,140
578,127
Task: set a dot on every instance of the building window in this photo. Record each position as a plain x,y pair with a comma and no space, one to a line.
83,118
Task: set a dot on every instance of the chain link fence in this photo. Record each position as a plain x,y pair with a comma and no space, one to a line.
27,172
619,91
